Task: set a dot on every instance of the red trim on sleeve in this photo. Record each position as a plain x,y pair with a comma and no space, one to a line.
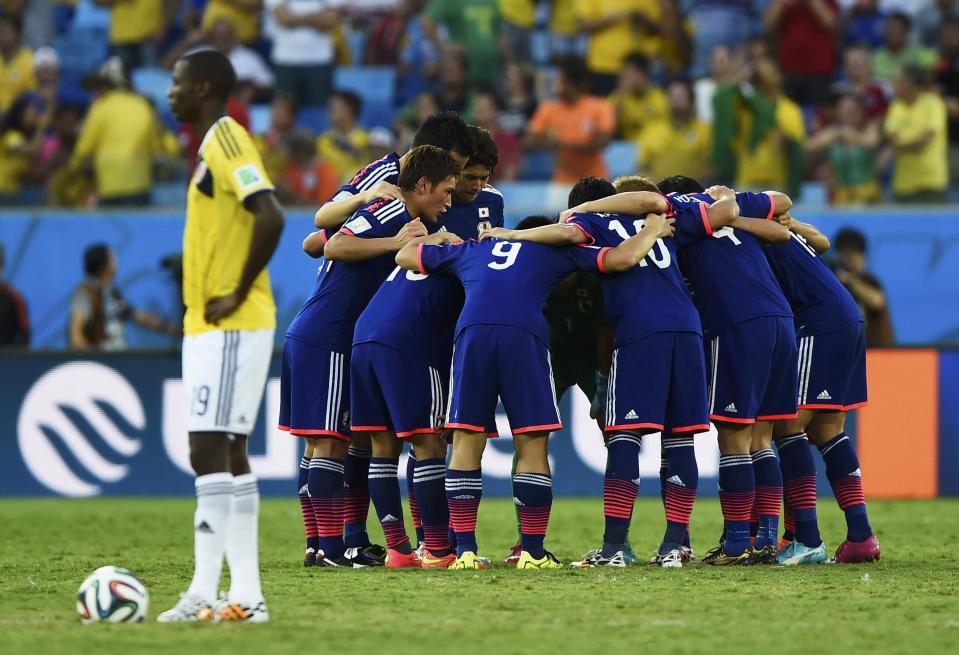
419,258
772,206
347,231
705,216
323,236
670,210
600,259
586,234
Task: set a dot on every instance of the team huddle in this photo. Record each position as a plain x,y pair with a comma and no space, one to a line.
671,306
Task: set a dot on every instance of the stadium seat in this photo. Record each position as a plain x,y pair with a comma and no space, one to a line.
89,16
152,83
259,118
537,165
314,119
621,158
814,194
80,52
375,84
168,194
377,114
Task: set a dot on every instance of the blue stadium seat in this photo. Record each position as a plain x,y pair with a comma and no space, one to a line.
89,16
815,194
259,118
621,158
522,199
537,165
377,114
80,52
375,84
152,83
168,194
314,119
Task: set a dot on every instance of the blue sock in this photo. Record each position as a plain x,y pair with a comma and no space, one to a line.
411,498
845,476
769,496
737,493
680,481
799,487
464,491
429,478
620,487
326,495
533,497
356,498
306,508
385,493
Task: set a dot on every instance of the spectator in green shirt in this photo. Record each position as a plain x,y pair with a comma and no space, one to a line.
473,24
897,51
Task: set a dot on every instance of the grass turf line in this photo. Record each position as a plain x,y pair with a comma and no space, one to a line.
908,602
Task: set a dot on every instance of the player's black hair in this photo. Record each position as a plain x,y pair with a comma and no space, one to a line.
680,184
447,130
534,221
213,67
901,17
590,188
95,259
13,21
574,71
487,154
351,100
849,238
637,61
431,162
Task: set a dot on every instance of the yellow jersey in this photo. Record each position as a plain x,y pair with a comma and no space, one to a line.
14,165
635,112
767,165
346,155
245,22
667,149
135,21
219,229
609,46
927,169
16,76
521,13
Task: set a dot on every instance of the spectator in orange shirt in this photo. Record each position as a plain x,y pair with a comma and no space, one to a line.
306,180
576,126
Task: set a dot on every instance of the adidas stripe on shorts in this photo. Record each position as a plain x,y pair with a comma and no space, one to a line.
314,391
832,369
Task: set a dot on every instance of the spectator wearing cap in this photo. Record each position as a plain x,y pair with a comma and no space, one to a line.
637,101
850,145
344,145
475,26
576,126
16,62
134,26
806,33
947,76
14,317
306,180
243,15
897,49
616,29
304,53
916,129
866,289
677,144
120,137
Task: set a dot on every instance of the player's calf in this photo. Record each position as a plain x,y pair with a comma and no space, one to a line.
464,488
533,492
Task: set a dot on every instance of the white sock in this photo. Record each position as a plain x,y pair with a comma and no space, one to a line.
214,495
241,542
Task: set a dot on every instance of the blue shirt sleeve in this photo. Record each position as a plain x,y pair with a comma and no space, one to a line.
583,223
587,258
365,225
692,223
755,205
444,258
496,213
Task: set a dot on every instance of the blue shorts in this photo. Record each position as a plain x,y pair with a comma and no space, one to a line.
832,369
657,381
314,391
752,371
390,390
505,361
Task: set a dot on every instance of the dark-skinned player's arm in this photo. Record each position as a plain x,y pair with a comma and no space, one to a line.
336,212
559,234
346,247
267,226
812,235
635,203
632,251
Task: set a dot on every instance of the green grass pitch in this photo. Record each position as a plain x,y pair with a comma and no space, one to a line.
908,602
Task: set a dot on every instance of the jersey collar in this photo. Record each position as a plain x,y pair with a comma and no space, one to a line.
209,133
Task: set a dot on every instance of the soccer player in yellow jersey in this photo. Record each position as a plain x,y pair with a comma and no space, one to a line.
233,223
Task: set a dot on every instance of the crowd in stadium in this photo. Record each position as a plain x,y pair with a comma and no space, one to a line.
858,97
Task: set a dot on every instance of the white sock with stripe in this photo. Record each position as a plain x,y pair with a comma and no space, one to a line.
214,496
242,551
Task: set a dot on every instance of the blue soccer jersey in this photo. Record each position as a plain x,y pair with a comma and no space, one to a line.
484,212
343,289
385,169
651,297
731,279
819,301
507,282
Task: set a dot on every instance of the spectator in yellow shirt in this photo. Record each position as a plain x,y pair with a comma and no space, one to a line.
637,101
243,14
678,145
134,27
916,130
21,137
344,145
121,137
565,39
616,28
16,62
518,16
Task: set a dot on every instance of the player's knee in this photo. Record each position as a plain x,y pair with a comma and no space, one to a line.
468,449
532,453
330,447
825,426
385,445
361,440
761,436
308,447
239,462
209,453
429,446
734,439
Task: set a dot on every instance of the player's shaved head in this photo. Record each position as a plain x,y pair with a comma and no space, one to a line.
213,68
435,164
680,184
446,130
590,188
628,183
530,222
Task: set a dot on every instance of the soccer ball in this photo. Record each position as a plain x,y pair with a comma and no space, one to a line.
112,594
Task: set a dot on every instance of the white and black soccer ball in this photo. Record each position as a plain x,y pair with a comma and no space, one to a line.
112,594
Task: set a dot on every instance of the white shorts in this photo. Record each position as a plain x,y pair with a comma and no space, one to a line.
224,374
